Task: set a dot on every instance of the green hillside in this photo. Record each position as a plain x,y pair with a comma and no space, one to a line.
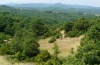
60,28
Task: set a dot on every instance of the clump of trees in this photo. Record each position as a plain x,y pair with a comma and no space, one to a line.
73,29
4,38
89,49
88,52
39,28
21,47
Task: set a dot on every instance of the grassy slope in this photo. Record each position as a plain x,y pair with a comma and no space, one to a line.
65,44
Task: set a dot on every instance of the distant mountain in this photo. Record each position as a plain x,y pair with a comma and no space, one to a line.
44,5
57,7
58,11
4,7
30,5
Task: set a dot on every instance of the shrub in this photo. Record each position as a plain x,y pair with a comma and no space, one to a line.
68,26
71,34
3,37
4,49
57,36
46,35
43,56
74,33
52,40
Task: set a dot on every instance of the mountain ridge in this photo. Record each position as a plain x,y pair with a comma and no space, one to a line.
46,5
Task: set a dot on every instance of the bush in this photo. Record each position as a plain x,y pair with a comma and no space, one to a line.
57,36
3,37
52,40
19,56
91,58
4,49
74,33
24,49
68,26
46,35
71,34
43,56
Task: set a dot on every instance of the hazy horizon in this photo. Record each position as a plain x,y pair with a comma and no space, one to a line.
95,3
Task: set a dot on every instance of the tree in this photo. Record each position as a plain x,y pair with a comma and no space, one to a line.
42,57
77,28
4,37
55,56
89,51
24,46
39,28
81,25
91,58
68,26
30,47
94,33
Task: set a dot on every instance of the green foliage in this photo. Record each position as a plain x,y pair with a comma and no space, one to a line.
18,56
46,35
55,55
92,58
68,26
89,49
94,33
88,52
52,40
4,49
72,51
55,33
71,60
56,50
43,56
22,47
57,36
39,28
16,43
81,25
49,62
77,28
30,48
4,38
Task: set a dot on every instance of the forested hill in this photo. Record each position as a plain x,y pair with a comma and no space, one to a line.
21,28
56,5
54,12
59,6
44,5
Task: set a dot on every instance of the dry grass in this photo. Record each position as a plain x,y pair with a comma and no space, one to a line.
4,61
65,45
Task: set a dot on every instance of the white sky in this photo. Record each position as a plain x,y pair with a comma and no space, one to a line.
78,2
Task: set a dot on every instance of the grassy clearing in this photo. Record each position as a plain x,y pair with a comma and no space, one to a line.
65,45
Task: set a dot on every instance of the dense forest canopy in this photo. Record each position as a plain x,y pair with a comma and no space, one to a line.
22,27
